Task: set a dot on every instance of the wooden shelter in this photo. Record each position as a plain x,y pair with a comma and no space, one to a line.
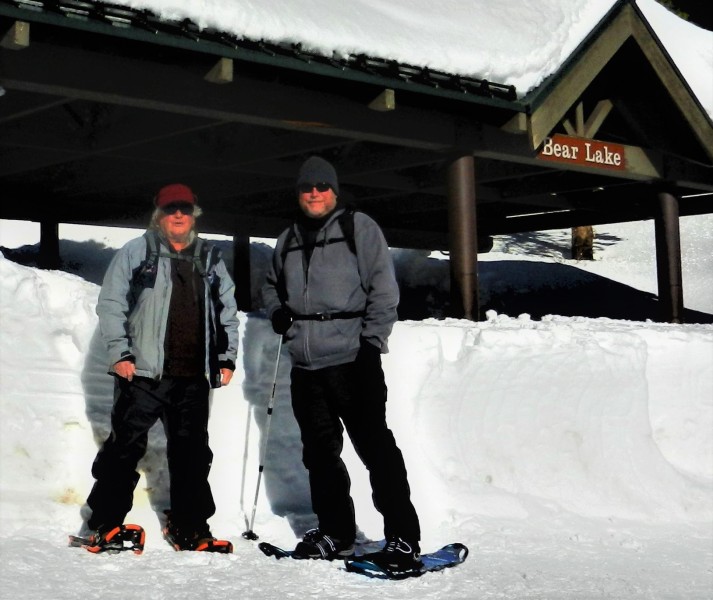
101,105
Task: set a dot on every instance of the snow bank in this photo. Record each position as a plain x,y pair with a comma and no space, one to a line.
597,417
498,419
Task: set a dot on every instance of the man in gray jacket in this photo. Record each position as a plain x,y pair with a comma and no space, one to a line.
168,316
332,293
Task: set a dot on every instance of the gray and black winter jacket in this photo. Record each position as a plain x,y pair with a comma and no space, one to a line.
133,315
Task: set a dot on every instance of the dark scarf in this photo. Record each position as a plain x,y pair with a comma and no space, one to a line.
309,229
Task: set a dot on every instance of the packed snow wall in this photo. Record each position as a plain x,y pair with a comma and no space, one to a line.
601,418
502,418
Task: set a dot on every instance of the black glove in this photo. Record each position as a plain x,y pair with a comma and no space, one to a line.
281,321
370,375
368,353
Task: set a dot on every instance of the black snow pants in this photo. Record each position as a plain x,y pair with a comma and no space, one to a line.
354,395
182,405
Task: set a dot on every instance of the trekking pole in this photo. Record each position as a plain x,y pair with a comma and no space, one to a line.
250,534
246,449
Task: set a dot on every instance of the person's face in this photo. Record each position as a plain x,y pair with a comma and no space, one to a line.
315,203
177,221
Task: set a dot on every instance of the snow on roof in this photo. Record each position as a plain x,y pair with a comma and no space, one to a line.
512,42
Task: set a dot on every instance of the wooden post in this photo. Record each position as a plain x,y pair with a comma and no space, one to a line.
242,272
17,37
49,245
462,238
668,259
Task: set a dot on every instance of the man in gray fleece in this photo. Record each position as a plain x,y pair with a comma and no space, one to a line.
331,292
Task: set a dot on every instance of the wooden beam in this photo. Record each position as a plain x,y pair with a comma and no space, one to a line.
688,174
588,128
564,95
17,37
595,120
674,86
517,124
579,119
569,128
79,73
222,72
385,101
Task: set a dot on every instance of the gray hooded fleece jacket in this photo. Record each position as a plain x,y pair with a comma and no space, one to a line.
336,280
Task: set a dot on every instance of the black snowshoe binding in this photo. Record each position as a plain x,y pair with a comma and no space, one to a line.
113,540
318,545
195,540
398,555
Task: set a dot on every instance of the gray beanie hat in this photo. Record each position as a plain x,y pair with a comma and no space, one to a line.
317,170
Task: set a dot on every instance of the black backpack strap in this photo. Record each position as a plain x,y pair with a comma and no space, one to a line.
281,285
346,222
288,241
205,259
152,250
206,256
200,254
144,276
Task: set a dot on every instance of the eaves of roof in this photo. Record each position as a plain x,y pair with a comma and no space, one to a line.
549,102
144,26
535,97
538,95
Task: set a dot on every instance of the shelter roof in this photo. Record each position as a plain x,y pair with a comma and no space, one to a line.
104,104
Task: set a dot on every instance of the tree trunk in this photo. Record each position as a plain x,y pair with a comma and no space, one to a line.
583,242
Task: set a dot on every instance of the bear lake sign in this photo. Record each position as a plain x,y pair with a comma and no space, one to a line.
584,152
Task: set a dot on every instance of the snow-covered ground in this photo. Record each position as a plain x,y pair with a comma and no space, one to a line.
572,454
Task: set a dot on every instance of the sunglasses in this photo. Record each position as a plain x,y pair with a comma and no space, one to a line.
186,208
306,188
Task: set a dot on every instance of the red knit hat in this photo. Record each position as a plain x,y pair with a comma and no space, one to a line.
175,192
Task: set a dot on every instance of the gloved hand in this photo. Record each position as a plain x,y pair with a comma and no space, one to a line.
281,321
369,373
368,353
